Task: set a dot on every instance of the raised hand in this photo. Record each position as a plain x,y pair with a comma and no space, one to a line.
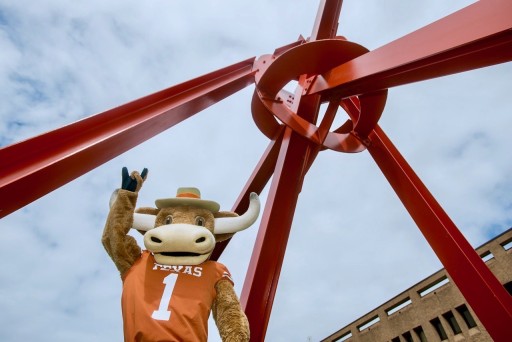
133,182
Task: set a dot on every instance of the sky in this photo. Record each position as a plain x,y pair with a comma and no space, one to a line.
352,245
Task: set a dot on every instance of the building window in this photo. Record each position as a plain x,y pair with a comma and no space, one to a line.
369,323
508,287
396,339
344,337
506,244
450,318
407,337
398,306
420,334
433,286
466,315
436,323
486,256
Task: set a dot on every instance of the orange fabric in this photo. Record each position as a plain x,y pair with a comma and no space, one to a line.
169,303
188,195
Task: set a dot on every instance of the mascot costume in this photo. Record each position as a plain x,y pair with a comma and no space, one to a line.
170,287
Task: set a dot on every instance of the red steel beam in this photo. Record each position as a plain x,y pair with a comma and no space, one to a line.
37,166
296,154
326,23
476,36
265,266
260,285
482,290
256,183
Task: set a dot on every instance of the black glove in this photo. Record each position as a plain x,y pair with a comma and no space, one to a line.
130,183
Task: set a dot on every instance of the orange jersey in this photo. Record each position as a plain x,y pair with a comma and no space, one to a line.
169,303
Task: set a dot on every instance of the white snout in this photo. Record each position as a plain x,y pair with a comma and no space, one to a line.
179,238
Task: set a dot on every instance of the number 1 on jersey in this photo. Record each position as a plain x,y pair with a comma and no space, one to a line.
163,314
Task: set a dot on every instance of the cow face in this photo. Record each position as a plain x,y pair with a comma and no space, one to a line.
182,236
186,234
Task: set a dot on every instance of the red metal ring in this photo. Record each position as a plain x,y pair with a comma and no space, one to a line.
312,59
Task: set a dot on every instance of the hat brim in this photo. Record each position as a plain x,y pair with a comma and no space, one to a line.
194,202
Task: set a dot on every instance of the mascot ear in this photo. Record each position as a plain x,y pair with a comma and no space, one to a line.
222,214
144,219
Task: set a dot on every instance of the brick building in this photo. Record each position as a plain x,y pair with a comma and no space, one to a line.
433,309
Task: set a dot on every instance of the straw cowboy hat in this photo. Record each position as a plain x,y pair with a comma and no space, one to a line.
187,196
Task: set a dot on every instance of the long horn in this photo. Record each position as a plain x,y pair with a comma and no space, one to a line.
230,225
143,222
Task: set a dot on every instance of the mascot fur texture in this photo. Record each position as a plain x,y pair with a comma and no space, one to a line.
170,287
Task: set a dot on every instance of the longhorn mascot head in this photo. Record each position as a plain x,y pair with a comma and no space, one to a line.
170,287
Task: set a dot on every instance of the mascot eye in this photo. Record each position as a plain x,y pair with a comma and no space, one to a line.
168,219
200,221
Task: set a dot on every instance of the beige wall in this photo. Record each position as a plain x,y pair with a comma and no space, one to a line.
404,317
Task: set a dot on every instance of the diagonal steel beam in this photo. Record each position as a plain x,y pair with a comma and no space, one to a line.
479,286
30,168
326,22
265,267
476,36
256,183
295,155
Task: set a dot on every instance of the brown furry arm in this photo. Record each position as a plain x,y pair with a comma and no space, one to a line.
122,248
229,316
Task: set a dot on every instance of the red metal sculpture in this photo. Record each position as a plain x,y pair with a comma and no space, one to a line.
328,69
